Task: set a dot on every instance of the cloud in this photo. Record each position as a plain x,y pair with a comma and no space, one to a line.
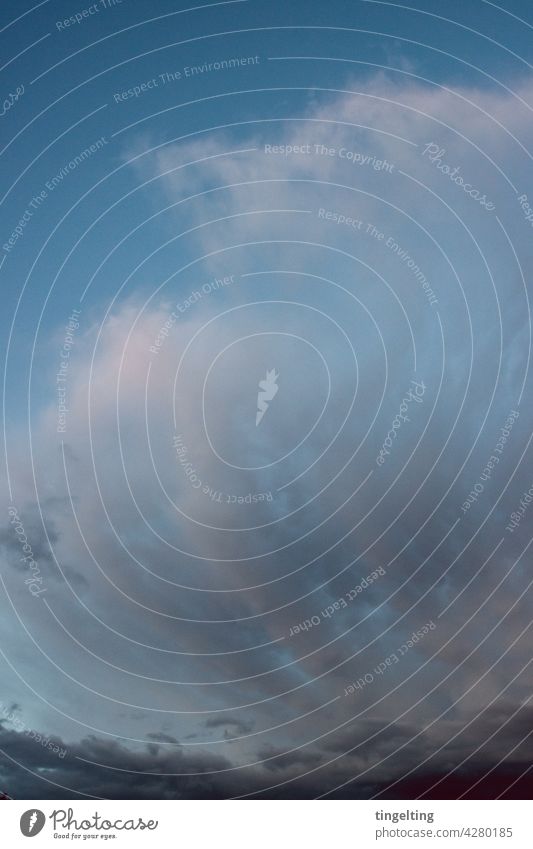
171,616
229,722
170,772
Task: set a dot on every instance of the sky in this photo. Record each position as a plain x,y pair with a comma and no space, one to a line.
266,342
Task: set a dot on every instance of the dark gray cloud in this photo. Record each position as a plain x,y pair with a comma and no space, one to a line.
28,770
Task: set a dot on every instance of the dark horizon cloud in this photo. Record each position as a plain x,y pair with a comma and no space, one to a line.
170,772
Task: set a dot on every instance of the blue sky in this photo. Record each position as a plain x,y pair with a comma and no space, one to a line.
348,209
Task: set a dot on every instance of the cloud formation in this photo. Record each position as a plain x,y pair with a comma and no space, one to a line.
180,543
